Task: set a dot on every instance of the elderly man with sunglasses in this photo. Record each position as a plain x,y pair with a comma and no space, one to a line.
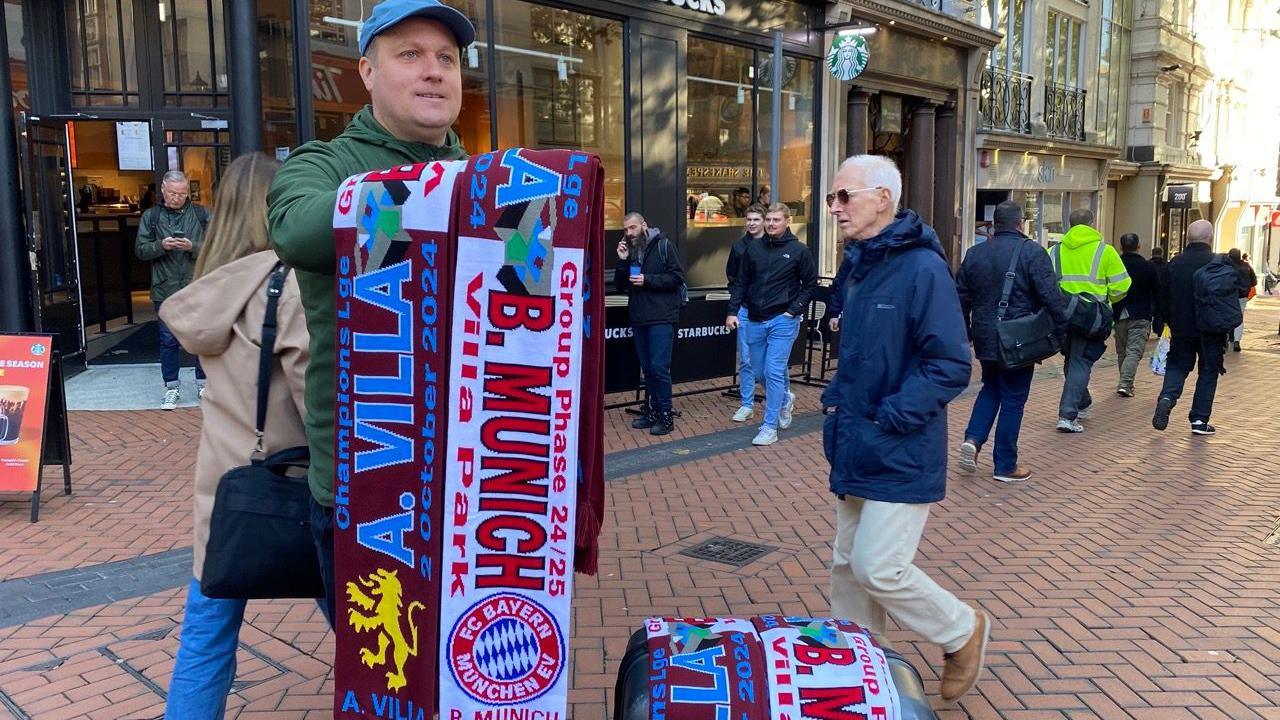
903,356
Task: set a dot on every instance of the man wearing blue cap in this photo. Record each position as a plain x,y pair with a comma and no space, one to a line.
411,64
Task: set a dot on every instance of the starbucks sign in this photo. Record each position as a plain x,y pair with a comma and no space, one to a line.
847,57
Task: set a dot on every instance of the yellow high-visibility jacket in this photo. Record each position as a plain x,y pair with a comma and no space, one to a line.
1087,265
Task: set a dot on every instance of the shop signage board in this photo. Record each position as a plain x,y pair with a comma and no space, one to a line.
710,7
133,145
33,427
847,57
1180,196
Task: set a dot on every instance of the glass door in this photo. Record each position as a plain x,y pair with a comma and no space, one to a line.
52,231
199,147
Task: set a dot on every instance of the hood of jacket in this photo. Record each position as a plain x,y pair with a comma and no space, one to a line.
203,314
365,129
905,232
1079,236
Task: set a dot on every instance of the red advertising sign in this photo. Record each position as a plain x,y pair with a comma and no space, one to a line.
25,362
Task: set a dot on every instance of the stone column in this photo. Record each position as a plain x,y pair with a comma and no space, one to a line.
857,121
920,175
946,187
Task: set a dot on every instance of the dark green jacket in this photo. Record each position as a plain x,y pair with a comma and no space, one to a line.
300,212
170,269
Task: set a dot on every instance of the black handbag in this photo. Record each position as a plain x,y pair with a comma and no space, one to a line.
260,543
1025,340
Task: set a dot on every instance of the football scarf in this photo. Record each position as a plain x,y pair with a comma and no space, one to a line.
468,456
786,668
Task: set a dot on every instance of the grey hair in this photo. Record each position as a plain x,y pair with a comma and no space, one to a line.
877,171
174,176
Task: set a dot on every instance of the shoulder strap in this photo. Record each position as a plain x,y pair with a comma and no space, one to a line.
1009,276
275,286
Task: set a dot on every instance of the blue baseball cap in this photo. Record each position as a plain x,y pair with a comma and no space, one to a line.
389,13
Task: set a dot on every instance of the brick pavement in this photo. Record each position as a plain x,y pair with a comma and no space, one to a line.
1128,579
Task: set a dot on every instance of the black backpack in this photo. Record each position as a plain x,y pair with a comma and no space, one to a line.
1216,289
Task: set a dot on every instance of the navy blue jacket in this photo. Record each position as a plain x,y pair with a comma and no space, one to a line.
903,357
981,279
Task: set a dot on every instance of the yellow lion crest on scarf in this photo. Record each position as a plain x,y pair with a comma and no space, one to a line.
385,600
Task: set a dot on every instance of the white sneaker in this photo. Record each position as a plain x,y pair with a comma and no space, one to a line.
1069,426
968,456
766,436
200,392
744,414
171,396
1085,413
788,408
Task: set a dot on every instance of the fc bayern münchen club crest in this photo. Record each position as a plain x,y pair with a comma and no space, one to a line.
848,57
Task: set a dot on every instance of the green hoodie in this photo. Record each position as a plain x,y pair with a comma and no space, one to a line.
1086,264
300,212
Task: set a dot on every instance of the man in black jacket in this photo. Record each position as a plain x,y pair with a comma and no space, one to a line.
980,285
1188,347
649,270
746,375
776,279
1134,312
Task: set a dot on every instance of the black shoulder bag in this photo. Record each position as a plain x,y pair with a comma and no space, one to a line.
1025,340
260,543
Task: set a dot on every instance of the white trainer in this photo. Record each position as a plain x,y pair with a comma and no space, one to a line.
766,436
171,396
744,413
788,410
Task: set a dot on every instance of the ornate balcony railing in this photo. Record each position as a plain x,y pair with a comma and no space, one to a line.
931,4
1004,100
1064,111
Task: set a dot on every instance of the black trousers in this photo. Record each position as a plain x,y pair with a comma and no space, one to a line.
1185,352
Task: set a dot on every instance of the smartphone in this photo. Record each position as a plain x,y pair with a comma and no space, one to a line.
179,234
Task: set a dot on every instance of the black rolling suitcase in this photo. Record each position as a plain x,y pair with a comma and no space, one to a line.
632,690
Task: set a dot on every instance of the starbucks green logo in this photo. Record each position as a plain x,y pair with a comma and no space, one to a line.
848,57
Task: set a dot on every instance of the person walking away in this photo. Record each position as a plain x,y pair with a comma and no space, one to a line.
980,285
903,357
1200,301
746,375
169,237
649,270
411,60
219,317
1092,276
776,280
1134,313
1161,266
1248,283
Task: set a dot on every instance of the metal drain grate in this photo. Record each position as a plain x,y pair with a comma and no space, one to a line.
728,551
1273,538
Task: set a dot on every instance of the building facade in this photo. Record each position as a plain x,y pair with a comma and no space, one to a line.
673,95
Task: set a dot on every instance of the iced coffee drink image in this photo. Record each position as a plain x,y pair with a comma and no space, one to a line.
13,402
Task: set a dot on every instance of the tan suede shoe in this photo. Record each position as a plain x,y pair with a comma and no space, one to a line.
964,666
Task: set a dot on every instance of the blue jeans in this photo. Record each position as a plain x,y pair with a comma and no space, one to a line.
322,533
1081,353
770,342
653,347
171,354
1004,393
746,376
206,663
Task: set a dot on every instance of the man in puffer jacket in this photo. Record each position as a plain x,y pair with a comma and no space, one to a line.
903,357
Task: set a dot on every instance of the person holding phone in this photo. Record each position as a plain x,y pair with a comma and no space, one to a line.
169,237
649,271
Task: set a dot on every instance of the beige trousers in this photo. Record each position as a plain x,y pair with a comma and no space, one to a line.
872,574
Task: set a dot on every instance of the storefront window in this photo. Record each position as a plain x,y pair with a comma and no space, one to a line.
795,165
560,86
100,42
720,146
1054,212
275,44
193,37
17,56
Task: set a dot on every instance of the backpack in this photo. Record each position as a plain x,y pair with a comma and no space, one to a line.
684,287
1086,315
1216,290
